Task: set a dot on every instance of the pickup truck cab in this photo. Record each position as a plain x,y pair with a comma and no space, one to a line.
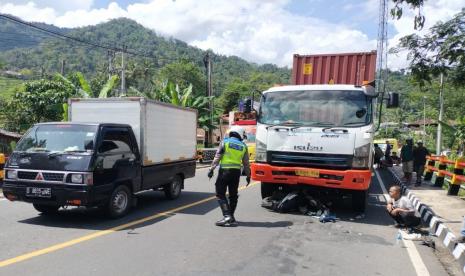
86,164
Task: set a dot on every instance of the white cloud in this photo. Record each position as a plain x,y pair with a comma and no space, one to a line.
259,31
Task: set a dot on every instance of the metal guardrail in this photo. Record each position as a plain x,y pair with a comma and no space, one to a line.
441,167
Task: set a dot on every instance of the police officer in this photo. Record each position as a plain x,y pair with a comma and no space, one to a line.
231,154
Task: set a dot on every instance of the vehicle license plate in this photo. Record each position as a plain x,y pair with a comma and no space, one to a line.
308,173
39,192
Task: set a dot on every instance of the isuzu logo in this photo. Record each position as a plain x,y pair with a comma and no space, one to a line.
308,147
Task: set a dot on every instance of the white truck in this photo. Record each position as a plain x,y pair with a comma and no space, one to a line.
316,137
110,150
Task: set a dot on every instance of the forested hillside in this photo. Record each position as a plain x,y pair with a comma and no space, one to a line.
44,54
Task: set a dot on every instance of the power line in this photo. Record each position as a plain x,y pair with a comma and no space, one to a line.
67,37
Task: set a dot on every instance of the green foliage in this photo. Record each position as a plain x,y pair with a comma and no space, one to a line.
397,11
184,74
39,101
175,60
244,88
441,50
8,86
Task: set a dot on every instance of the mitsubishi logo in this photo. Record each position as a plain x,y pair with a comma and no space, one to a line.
39,177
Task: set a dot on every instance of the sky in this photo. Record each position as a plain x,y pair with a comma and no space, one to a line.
261,31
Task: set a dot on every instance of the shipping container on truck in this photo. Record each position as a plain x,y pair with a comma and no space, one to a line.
346,68
318,133
110,150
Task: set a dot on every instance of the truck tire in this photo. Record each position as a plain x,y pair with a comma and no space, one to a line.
359,200
120,202
173,189
268,189
46,209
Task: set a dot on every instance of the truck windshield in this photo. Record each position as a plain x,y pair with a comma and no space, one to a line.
316,108
58,138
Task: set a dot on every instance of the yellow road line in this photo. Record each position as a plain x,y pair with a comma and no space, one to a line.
103,232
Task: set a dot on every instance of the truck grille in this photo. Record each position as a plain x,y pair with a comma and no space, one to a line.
53,176
323,161
27,175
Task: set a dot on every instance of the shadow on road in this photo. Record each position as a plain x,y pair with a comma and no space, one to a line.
258,224
149,204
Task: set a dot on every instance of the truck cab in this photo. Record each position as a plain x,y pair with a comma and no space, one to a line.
79,164
315,136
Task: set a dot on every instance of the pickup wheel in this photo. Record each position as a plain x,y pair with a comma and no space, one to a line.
46,209
120,202
268,189
173,189
359,200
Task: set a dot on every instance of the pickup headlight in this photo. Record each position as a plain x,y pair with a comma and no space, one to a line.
79,178
260,152
11,174
361,157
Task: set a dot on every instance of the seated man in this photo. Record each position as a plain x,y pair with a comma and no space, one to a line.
401,209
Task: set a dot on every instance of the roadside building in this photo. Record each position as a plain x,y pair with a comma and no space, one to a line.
6,137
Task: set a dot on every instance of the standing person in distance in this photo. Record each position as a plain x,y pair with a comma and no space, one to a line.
406,155
419,160
230,156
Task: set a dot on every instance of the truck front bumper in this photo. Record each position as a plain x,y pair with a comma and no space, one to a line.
346,179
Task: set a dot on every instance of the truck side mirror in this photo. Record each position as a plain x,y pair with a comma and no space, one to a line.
393,100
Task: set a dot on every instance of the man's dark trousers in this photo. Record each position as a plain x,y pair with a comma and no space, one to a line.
228,179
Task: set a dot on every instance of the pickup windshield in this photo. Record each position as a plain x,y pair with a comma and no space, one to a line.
65,138
316,108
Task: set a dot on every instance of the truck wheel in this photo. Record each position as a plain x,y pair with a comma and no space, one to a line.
120,202
359,200
173,189
46,209
268,189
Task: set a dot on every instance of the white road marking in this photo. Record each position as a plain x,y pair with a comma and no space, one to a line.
415,258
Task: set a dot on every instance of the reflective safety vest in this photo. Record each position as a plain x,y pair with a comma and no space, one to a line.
234,151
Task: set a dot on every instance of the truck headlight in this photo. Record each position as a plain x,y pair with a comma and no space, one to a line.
11,174
361,156
260,152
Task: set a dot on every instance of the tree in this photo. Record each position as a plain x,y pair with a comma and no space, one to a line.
397,11
184,73
441,50
78,82
38,101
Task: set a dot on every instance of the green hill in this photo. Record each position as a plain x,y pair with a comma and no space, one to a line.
46,55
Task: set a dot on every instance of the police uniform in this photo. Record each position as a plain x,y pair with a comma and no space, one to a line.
230,156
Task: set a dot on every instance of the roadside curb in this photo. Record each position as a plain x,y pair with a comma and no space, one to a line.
434,223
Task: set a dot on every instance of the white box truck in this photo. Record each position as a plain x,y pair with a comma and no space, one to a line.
110,150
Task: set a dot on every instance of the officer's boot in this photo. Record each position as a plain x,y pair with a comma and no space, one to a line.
226,220
233,205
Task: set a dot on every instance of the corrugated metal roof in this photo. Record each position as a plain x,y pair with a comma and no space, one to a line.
9,134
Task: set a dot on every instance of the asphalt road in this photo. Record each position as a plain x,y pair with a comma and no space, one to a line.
162,237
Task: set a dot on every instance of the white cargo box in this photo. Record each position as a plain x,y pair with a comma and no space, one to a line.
164,132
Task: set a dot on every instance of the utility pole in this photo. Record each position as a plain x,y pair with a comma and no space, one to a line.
110,60
123,68
208,77
63,63
424,120
441,115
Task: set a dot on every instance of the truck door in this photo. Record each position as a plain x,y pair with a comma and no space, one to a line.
118,158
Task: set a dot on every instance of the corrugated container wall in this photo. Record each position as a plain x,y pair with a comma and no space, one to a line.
348,68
